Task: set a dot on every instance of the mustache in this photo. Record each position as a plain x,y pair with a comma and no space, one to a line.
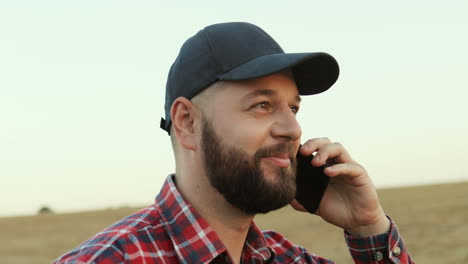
280,148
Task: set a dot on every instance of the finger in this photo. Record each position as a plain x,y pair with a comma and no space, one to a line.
297,206
345,169
333,151
312,145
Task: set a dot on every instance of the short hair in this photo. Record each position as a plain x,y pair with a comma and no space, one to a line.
201,100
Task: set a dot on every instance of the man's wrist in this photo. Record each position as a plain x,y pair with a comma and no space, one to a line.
380,227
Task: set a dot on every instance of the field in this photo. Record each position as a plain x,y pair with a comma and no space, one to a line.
433,221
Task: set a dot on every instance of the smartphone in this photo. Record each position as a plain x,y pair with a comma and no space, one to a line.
311,183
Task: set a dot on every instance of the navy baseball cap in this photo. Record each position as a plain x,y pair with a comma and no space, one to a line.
239,51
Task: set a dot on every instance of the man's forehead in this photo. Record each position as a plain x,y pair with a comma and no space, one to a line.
260,91
276,85
280,85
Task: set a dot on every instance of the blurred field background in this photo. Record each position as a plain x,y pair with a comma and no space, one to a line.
433,220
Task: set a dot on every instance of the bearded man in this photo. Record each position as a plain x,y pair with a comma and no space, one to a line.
232,96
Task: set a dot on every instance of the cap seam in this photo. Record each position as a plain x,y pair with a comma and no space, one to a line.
210,47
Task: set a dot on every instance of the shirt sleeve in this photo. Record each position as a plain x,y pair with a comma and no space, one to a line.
92,255
383,248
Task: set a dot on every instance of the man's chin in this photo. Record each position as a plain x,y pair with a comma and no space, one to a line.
275,174
266,208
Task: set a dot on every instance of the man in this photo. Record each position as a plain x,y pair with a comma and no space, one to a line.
232,97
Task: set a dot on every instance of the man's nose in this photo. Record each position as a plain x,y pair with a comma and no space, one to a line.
286,125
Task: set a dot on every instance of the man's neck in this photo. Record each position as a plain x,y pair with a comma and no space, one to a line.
230,224
231,232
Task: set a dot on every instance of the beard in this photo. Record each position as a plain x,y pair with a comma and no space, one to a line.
239,178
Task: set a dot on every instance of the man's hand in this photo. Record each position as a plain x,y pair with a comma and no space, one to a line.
350,201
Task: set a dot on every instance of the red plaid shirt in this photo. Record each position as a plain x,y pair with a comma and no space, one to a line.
171,231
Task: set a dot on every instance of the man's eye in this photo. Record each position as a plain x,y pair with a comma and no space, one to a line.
262,105
294,109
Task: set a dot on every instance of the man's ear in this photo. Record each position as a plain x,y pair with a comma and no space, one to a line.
183,116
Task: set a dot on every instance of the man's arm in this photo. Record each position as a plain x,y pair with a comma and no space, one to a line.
384,248
351,203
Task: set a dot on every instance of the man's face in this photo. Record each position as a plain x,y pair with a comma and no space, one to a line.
249,139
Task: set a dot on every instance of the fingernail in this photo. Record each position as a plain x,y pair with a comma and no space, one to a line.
317,158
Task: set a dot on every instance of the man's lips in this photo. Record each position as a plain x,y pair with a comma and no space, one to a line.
280,160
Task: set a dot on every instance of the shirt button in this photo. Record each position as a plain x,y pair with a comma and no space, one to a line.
397,251
378,256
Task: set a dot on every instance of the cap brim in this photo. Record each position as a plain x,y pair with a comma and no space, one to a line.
314,72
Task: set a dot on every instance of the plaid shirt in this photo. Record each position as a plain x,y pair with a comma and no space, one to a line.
171,231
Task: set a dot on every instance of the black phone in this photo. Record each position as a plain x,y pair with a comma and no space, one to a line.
311,183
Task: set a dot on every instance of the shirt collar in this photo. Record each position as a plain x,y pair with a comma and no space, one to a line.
193,238
256,246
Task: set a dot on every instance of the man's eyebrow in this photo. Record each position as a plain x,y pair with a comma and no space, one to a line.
267,92
298,98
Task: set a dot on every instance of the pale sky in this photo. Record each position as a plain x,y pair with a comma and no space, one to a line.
82,91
